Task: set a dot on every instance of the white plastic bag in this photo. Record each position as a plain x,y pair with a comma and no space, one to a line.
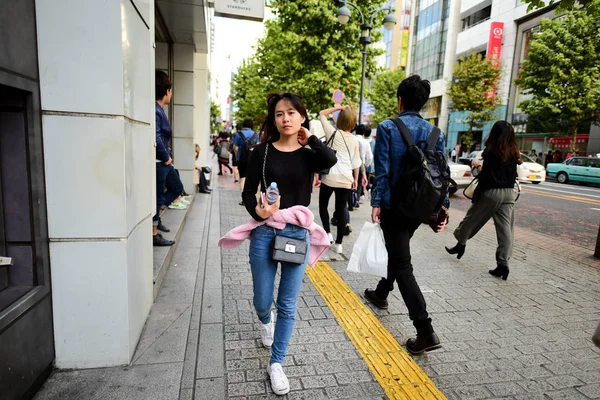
369,255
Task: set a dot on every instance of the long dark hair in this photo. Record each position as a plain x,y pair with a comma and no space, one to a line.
502,143
269,132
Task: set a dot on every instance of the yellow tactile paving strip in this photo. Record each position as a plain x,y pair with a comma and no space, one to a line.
393,367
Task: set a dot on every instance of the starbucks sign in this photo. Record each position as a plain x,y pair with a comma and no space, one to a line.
253,10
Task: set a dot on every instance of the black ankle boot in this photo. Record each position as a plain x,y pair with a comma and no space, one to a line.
423,343
459,250
500,271
377,302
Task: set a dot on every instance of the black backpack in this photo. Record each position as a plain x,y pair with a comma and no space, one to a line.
247,146
420,192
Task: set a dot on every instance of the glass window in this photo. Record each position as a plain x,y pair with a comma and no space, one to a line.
477,18
595,162
579,162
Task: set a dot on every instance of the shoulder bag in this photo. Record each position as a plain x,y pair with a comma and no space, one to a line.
469,191
327,143
285,249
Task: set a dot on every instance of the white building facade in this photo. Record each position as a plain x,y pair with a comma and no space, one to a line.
77,116
443,31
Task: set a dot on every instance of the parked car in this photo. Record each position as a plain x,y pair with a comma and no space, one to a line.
531,171
470,157
579,169
461,174
528,171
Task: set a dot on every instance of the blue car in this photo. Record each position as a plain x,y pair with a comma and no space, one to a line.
578,169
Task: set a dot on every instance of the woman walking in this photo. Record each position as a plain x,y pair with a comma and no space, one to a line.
224,154
282,158
494,197
343,176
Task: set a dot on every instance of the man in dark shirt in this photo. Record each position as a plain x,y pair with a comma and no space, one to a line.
164,162
390,150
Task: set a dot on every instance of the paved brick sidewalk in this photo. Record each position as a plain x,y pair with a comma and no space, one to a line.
526,338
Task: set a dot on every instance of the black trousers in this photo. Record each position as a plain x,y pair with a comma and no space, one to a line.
397,233
341,197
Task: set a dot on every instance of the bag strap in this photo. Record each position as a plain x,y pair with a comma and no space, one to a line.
330,140
265,166
347,149
410,141
433,138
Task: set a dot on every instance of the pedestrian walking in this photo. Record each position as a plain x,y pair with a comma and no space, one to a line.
234,162
343,176
390,165
223,153
494,196
281,158
243,143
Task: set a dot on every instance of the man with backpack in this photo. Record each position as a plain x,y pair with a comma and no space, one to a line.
411,184
243,144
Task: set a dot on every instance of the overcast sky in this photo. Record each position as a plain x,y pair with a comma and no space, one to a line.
235,40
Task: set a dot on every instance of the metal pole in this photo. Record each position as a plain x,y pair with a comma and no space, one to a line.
362,83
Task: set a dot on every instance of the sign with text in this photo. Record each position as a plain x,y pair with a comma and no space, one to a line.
404,48
495,48
495,43
253,10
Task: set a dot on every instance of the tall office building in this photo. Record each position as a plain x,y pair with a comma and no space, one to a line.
443,31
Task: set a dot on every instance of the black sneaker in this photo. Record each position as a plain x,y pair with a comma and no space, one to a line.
347,230
158,240
377,302
161,227
423,343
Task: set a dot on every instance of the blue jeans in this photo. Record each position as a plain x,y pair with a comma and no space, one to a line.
264,269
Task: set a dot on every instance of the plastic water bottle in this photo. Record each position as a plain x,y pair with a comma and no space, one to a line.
272,193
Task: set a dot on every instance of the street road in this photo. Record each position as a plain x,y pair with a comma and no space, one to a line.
570,212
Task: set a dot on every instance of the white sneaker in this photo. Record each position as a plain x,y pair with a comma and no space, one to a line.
184,201
177,206
337,247
279,382
267,332
330,236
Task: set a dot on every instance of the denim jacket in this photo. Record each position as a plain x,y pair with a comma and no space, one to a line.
163,134
389,153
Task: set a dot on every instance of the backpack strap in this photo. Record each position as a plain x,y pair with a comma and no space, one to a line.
406,135
433,138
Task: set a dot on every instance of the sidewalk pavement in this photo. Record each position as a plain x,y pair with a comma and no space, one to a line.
524,338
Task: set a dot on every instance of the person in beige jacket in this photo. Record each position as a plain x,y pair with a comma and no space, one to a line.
343,176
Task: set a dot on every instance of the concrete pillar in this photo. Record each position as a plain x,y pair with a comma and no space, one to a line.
202,101
96,63
183,113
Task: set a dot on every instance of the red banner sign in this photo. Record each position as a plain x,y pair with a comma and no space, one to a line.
495,48
495,42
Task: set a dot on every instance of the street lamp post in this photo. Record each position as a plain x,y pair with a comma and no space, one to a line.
343,15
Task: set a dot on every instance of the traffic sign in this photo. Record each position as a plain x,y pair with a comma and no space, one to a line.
338,96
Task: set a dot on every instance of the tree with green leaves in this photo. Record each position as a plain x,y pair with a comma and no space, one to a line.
471,90
215,113
562,72
382,94
563,5
249,90
305,50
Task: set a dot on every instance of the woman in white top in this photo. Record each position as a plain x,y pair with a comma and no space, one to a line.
343,176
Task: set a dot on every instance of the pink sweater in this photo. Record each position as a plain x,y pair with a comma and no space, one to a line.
297,215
